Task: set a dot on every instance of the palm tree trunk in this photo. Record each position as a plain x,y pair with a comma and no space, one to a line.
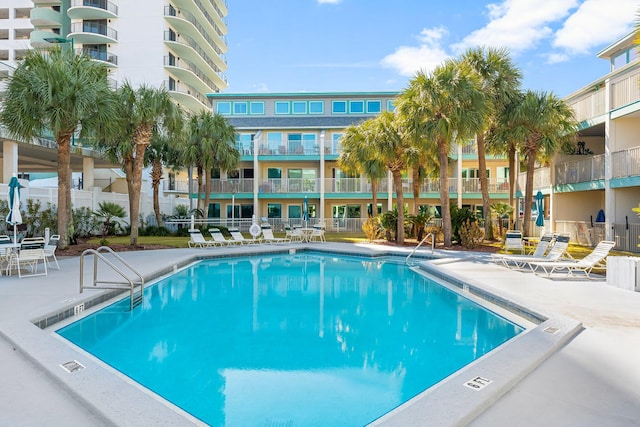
374,197
443,157
64,190
484,187
528,197
397,182
415,176
198,199
156,176
136,185
511,154
207,194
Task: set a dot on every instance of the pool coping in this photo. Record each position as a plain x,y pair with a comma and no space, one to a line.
504,366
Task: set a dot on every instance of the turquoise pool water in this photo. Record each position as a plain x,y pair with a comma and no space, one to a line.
297,340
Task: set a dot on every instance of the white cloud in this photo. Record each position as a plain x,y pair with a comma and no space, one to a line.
518,25
329,1
554,58
594,23
408,60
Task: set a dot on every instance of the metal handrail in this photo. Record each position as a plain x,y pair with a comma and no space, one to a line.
129,284
433,245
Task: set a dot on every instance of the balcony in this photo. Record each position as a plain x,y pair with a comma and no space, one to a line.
580,171
626,163
43,17
290,185
38,38
88,32
187,95
189,73
292,149
92,9
100,55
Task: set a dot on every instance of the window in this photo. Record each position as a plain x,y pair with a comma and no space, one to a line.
370,211
233,174
295,211
336,146
374,107
274,210
282,107
299,107
274,173
239,108
339,107
256,108
274,140
214,210
236,211
309,143
391,105
316,107
246,211
223,108
356,107
354,211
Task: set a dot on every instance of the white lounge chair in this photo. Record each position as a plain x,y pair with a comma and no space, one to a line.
239,238
50,251
586,264
197,240
218,238
28,257
267,235
559,246
293,234
513,241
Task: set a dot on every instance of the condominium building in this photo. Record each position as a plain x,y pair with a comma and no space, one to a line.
593,190
177,44
290,144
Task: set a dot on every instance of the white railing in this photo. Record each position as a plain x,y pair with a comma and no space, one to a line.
625,89
589,105
583,170
625,163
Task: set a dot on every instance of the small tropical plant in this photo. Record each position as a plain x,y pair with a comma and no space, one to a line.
501,210
372,228
471,234
109,211
458,217
389,222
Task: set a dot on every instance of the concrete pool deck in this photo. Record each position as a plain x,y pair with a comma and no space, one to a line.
594,380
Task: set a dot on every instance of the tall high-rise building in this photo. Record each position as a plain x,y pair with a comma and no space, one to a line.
180,44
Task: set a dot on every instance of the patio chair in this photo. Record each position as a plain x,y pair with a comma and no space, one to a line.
293,234
267,235
539,252
317,234
513,241
6,248
557,252
219,239
586,264
28,257
50,251
239,238
197,240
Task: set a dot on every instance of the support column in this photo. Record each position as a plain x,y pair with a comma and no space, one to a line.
609,193
88,181
9,160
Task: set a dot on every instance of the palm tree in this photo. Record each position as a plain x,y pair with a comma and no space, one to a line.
544,124
501,209
211,144
108,211
57,91
162,151
500,80
449,103
393,150
357,157
143,113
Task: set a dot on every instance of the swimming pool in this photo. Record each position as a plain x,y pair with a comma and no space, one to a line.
302,339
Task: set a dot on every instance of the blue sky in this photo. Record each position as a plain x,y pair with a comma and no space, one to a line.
376,45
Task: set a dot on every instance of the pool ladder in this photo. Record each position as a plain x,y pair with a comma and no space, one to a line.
433,245
129,283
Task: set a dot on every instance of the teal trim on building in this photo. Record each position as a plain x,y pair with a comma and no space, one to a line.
579,186
629,181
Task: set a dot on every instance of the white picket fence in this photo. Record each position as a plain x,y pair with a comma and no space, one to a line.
92,199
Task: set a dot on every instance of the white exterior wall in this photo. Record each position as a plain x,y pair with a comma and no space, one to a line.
140,46
627,131
11,24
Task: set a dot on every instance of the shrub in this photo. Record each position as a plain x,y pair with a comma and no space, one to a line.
471,234
372,229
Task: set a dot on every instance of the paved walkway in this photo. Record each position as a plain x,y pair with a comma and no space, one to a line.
592,381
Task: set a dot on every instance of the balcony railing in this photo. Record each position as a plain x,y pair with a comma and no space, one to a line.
172,61
626,163
584,170
625,89
100,55
94,28
100,4
173,86
541,179
290,185
289,149
172,11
